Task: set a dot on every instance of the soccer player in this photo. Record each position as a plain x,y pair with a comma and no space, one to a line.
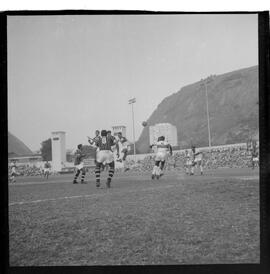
94,141
13,173
196,160
47,167
188,162
254,155
163,149
79,164
105,155
124,147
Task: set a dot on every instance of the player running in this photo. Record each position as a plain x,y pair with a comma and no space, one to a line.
105,156
79,165
47,168
163,149
123,146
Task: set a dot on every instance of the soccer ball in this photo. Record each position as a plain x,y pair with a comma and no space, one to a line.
144,124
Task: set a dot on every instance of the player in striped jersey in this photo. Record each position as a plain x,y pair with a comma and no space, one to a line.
94,140
104,156
163,149
79,164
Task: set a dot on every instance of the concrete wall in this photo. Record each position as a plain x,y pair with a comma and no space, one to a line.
58,150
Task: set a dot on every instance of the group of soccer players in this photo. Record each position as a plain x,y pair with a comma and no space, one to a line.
105,146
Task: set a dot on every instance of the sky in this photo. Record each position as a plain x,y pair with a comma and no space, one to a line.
76,73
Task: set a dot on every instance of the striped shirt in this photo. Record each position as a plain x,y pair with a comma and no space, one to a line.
105,143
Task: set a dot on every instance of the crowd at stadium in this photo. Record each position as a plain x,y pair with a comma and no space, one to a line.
26,170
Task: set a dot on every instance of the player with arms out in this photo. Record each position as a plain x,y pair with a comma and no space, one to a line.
93,141
123,146
104,156
163,149
79,164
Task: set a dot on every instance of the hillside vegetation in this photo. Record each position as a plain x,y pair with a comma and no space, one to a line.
233,110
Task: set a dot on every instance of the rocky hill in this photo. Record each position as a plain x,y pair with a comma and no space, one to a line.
233,110
16,147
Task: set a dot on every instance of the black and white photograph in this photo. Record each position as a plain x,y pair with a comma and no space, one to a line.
133,139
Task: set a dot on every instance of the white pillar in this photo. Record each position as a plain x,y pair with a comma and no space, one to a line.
58,149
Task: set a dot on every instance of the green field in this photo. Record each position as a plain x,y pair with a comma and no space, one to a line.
179,219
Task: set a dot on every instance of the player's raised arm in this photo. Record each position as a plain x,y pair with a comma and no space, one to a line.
90,140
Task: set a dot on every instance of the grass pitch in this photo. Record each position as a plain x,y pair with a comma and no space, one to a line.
178,219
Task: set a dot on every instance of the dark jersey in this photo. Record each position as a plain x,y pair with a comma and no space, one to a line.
78,157
105,143
96,139
123,140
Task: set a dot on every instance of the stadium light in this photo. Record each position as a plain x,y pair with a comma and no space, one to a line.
204,84
132,101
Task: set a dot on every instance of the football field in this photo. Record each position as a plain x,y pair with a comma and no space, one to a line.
179,219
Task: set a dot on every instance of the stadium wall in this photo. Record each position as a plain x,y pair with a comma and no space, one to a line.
139,157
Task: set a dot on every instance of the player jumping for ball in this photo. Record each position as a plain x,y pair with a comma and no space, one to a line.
163,149
79,164
94,140
105,155
124,146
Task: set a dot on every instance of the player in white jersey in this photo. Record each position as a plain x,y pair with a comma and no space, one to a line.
163,149
188,162
47,169
123,146
196,160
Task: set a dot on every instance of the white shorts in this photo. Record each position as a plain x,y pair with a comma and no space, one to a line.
80,166
198,161
161,156
188,162
256,159
105,156
46,170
